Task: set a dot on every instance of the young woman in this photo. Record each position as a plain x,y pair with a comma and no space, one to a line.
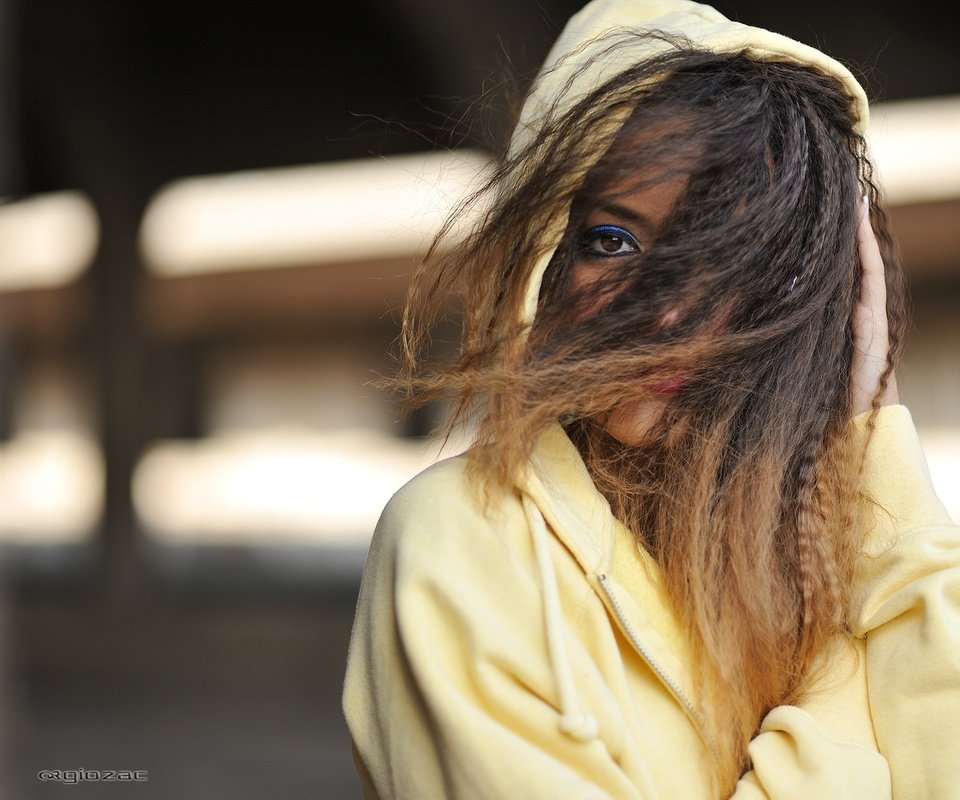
695,552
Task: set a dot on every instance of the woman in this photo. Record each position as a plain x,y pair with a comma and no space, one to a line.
694,552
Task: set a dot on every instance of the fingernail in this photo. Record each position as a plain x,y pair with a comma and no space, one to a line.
864,210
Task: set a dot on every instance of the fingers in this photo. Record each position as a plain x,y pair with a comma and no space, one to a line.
873,286
871,342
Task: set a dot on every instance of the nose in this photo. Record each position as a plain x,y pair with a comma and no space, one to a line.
669,317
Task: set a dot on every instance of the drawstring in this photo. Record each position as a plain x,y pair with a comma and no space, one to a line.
574,722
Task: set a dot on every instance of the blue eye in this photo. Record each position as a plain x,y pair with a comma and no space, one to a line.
608,241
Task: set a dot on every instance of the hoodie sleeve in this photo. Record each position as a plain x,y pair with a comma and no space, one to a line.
906,610
826,746
447,691
906,603
796,757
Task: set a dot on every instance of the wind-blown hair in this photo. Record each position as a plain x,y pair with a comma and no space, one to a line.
745,491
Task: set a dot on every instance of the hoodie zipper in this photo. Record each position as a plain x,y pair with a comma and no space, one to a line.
654,664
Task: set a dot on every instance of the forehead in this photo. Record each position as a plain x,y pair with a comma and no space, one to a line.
661,126
653,144
646,201
644,171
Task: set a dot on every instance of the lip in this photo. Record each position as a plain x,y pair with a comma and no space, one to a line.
670,386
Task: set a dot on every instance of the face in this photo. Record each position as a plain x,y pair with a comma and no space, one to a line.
613,230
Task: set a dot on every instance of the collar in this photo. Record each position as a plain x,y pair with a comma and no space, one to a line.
558,482
560,495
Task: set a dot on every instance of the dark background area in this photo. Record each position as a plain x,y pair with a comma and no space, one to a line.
227,684
147,92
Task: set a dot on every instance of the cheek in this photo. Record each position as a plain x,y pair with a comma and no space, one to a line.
583,275
582,279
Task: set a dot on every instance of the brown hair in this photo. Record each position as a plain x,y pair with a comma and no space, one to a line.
745,493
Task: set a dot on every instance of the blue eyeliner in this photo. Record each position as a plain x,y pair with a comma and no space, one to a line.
611,231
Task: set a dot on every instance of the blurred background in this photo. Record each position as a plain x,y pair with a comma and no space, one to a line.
208,214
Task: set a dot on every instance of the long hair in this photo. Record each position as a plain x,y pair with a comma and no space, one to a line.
744,491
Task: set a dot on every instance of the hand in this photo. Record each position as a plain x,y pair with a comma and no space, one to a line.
870,340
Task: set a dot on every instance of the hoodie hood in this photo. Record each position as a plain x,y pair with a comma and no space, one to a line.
582,59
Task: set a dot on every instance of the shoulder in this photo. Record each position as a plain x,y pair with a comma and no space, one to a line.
445,485
440,517
441,565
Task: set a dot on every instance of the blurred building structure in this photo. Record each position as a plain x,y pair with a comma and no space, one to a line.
209,215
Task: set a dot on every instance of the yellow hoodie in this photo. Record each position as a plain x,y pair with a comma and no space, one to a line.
532,652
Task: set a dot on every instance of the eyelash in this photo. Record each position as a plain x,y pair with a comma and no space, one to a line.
593,235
